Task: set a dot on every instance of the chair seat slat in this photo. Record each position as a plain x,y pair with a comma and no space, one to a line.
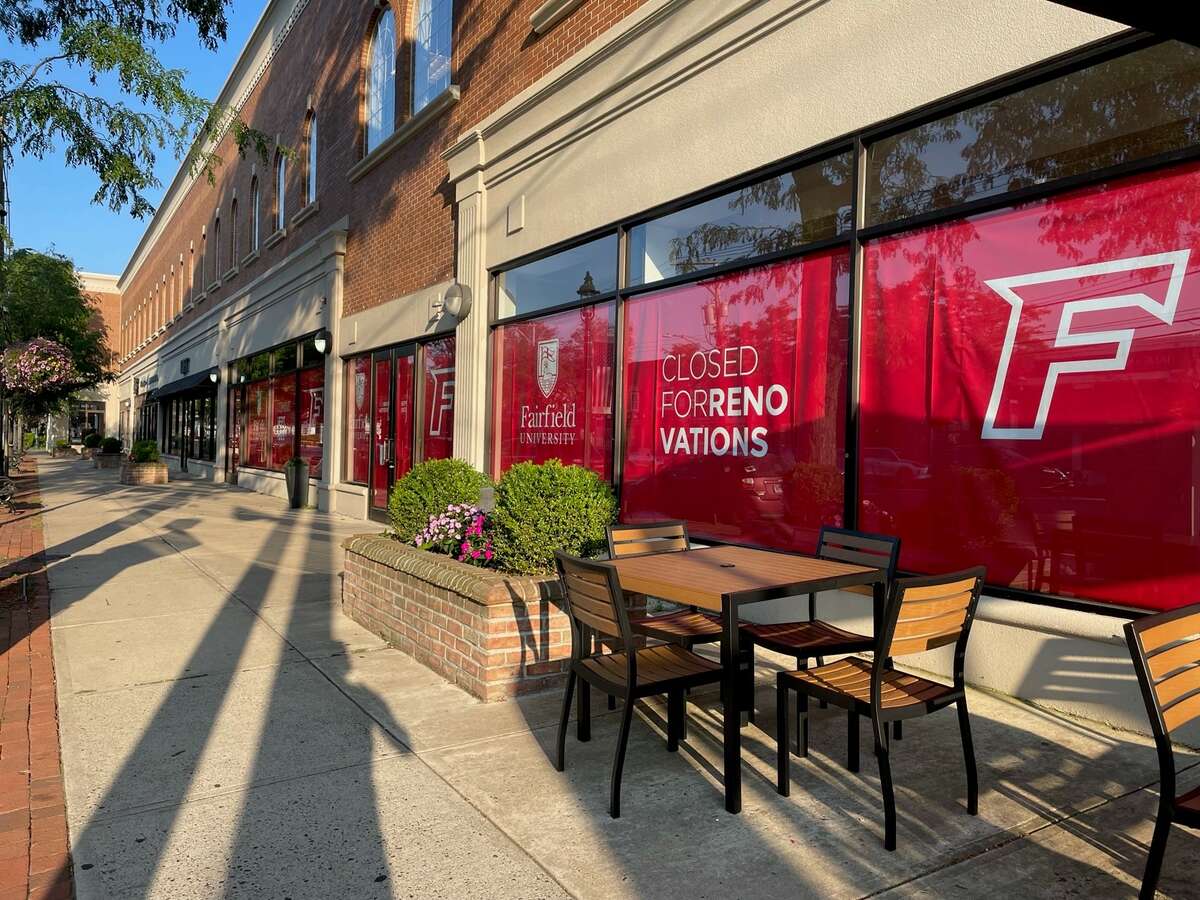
1169,632
1182,712
1171,689
1164,662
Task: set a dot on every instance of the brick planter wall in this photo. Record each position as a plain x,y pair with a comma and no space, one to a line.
107,460
495,635
144,473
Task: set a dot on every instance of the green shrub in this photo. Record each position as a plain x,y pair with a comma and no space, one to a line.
29,439
144,451
61,444
428,489
110,445
92,440
548,507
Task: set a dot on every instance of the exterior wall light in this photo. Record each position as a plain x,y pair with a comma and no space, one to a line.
214,377
457,300
321,340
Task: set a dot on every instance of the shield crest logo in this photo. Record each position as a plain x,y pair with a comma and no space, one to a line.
547,366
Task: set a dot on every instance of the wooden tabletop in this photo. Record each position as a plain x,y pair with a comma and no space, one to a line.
705,577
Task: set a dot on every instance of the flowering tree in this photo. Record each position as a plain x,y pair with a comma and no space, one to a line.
39,368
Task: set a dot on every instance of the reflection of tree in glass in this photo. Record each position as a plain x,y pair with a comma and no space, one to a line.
794,208
1124,109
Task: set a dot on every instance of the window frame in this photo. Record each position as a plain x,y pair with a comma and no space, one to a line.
255,214
280,173
854,238
385,12
425,10
311,148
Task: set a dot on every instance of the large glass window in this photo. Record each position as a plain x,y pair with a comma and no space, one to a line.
431,50
1137,105
735,399
283,419
310,171
358,419
312,418
574,275
380,111
258,429
554,389
280,191
1029,392
438,437
807,204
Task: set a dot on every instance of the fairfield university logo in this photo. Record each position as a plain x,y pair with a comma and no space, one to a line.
1163,309
547,366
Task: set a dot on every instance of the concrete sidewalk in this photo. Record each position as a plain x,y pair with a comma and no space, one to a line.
226,732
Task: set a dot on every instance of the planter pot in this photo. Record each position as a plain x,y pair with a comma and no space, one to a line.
297,485
107,460
64,453
86,452
144,473
494,635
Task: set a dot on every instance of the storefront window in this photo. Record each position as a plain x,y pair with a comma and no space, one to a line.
580,273
554,392
358,419
283,419
1124,109
1029,392
735,399
811,203
439,398
312,418
258,429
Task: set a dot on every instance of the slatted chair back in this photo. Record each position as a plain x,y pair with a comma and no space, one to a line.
641,540
930,612
1166,656
593,593
879,551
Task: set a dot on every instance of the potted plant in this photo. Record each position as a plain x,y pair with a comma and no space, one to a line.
295,473
91,443
144,465
62,448
109,455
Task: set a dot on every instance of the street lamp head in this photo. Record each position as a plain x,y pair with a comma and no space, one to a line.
321,340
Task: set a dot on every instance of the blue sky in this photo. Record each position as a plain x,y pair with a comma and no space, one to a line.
51,202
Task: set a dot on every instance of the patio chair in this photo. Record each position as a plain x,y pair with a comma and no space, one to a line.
1166,657
815,638
594,602
922,614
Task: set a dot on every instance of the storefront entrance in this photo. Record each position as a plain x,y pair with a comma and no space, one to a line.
392,423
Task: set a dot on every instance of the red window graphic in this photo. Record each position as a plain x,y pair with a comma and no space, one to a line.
283,418
312,418
439,398
258,411
1029,393
735,398
358,416
555,389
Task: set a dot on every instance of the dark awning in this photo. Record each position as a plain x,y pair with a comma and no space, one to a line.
186,383
1163,19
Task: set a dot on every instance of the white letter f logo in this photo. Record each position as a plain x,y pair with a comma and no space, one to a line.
1163,310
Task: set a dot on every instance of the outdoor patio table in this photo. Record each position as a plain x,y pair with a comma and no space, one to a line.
723,579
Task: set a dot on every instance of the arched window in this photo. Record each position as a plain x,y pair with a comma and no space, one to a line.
255,207
234,226
280,191
431,50
381,80
310,174
216,248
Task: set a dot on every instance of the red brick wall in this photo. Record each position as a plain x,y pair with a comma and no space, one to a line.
401,213
109,306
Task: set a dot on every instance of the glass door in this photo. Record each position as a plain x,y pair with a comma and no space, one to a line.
234,432
403,455
381,431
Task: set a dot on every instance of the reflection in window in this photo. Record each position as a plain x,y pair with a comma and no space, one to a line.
358,419
808,204
438,363
380,112
1060,471
431,51
1138,105
574,275
280,192
310,180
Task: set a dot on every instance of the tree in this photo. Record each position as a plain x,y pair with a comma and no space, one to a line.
118,139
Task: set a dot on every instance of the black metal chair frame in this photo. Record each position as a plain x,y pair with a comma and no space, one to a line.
878,714
1170,809
583,648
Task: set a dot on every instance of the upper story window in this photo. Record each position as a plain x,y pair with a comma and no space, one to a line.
280,191
234,226
380,111
310,174
255,207
431,50
217,248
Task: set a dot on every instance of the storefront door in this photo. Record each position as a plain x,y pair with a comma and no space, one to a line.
391,424
236,413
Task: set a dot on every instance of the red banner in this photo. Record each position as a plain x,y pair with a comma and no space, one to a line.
1029,393
735,403
554,400
439,398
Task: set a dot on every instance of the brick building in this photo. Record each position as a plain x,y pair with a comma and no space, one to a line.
763,265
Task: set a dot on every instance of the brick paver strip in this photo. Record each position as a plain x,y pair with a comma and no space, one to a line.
35,859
